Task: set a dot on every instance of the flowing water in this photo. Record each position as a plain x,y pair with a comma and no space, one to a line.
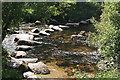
63,55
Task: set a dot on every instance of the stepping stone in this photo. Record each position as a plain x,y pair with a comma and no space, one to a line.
23,48
34,34
44,33
63,26
35,30
25,60
19,54
23,37
55,28
30,75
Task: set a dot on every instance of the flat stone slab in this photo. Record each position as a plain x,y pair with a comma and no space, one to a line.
44,33
23,37
34,34
23,48
19,54
63,26
48,30
26,60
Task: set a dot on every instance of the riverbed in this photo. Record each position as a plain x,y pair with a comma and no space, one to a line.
64,56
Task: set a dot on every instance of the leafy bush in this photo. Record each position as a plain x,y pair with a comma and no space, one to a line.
107,37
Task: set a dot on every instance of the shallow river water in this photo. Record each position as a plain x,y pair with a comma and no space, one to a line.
63,55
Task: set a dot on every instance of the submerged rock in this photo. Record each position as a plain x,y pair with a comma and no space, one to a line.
23,48
39,68
23,37
28,42
19,54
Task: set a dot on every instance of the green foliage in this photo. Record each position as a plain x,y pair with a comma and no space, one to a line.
11,13
9,73
109,74
108,31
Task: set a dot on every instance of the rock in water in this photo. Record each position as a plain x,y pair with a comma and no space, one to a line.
28,42
34,34
62,26
37,22
27,74
48,30
55,28
23,37
30,75
35,30
19,54
23,48
44,33
39,68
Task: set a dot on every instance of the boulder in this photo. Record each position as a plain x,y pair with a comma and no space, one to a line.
30,75
48,30
35,30
19,54
55,28
39,68
44,33
27,74
23,48
50,26
63,26
37,22
28,42
23,37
